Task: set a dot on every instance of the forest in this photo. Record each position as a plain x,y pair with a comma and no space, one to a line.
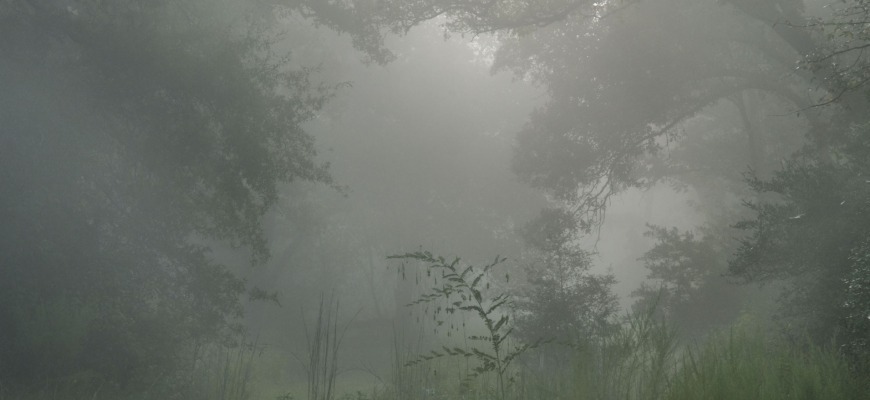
434,199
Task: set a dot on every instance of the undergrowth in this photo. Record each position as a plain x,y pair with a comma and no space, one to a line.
642,361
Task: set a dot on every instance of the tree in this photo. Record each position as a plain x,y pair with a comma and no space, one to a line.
625,80
624,77
134,135
686,281
649,94
841,64
816,260
561,300
809,227
624,88
809,231
809,222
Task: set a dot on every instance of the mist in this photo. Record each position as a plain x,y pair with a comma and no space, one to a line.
308,199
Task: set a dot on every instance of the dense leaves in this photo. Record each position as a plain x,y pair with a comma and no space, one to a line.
842,64
686,282
133,135
561,300
811,231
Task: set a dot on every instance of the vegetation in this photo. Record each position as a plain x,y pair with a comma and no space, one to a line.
464,290
633,361
150,152
641,359
744,363
323,344
560,300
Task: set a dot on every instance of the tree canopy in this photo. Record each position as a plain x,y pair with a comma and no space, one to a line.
133,135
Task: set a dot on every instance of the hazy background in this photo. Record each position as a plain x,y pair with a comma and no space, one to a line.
182,180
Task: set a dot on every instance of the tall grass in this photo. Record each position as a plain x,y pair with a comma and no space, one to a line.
226,373
633,361
744,364
324,343
409,381
642,360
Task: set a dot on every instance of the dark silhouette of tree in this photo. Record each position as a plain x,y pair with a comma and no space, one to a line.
133,136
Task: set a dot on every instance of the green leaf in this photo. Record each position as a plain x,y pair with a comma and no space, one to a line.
500,322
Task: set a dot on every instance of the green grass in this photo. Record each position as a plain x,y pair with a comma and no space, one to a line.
641,360
632,362
744,364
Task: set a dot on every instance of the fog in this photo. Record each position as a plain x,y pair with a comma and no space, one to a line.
427,199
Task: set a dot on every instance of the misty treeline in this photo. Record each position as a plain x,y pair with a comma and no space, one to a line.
163,199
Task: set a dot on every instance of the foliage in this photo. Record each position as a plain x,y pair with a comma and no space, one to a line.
641,360
369,22
745,364
624,83
464,290
632,361
857,305
623,88
560,300
566,311
625,79
134,136
843,62
810,230
622,76
686,284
